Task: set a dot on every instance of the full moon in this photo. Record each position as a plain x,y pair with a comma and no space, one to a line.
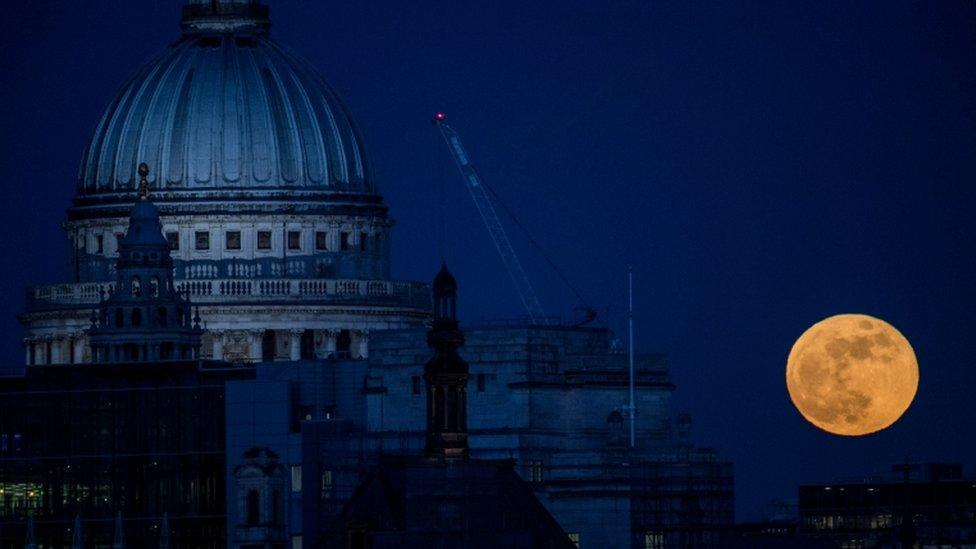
852,374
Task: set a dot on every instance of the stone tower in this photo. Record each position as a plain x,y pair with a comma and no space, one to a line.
446,375
144,317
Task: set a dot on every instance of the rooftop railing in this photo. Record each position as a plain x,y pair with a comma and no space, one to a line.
379,292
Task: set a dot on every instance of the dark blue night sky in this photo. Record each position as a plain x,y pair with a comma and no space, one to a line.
761,164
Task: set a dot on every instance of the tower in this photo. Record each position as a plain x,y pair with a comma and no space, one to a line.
446,376
144,318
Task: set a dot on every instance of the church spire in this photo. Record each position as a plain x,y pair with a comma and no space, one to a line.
446,376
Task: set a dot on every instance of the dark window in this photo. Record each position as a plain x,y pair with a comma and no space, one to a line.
99,244
363,241
162,316
233,240
253,508
330,411
321,243
343,344
415,381
118,240
174,240
294,240
209,42
244,42
481,383
264,240
306,412
535,471
119,318
307,346
359,539
276,507
268,346
202,240
343,241
136,317
377,240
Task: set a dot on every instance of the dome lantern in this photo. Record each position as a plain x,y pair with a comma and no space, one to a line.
225,17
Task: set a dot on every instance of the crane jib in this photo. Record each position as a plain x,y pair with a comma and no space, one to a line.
495,229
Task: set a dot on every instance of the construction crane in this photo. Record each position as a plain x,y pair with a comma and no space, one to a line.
479,194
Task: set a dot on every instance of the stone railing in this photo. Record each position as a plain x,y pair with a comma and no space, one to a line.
230,290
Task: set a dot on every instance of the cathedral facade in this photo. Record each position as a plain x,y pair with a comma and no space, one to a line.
272,214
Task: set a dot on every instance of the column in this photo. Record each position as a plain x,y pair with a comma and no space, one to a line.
78,349
330,342
296,343
217,337
28,343
55,346
363,343
255,344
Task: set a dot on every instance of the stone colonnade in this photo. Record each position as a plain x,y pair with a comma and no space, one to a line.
57,349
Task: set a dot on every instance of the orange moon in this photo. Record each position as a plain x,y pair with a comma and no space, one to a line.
852,374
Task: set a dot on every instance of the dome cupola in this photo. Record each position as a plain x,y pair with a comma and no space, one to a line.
226,113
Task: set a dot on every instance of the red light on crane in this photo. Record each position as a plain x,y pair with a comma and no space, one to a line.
438,118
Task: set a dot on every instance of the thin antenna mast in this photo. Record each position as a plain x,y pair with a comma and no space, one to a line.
630,322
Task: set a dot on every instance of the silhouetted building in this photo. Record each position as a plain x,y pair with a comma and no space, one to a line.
552,399
927,505
444,499
128,452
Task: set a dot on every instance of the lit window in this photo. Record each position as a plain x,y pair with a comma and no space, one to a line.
294,240
296,478
321,244
296,542
233,241
173,238
202,240
264,240
327,485
574,537
653,540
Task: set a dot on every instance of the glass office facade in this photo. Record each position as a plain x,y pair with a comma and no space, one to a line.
143,440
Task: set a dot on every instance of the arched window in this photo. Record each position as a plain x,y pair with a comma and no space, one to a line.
154,286
162,316
137,317
136,286
119,318
253,510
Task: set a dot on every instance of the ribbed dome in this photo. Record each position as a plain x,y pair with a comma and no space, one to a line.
226,108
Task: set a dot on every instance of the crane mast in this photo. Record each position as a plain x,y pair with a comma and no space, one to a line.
479,194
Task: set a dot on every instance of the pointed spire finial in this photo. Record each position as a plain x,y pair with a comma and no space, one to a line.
143,181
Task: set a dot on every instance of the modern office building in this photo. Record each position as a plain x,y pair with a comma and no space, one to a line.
922,505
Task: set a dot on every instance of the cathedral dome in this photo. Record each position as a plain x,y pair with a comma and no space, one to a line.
226,111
